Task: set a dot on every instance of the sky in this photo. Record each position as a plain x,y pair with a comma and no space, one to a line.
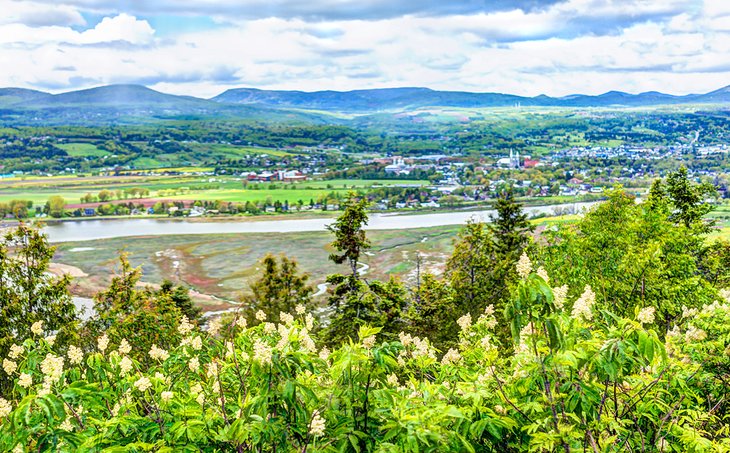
525,47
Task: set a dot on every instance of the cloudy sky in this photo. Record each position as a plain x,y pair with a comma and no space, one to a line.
527,47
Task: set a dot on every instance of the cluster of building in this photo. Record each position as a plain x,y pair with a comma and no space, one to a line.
277,175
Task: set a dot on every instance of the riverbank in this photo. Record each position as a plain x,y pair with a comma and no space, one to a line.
144,227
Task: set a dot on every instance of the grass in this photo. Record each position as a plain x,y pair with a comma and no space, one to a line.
83,150
234,151
230,189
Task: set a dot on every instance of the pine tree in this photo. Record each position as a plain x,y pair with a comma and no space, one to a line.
350,238
510,227
280,288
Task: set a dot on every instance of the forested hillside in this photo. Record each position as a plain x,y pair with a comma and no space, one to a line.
608,334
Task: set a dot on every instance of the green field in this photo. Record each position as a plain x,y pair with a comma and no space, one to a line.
83,150
226,188
235,152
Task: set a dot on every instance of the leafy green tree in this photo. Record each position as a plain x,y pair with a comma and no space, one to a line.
632,255
688,200
142,317
56,205
29,294
280,288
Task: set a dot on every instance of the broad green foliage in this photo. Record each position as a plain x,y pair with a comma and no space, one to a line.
142,317
28,294
577,379
688,200
631,255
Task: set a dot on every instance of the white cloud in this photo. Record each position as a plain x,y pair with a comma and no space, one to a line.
119,28
589,46
37,14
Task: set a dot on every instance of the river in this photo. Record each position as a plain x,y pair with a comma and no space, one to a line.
87,230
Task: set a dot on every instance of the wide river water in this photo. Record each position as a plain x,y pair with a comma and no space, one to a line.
87,230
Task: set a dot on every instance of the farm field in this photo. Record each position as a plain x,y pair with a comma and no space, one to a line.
38,190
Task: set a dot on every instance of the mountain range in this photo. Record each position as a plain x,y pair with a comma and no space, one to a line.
134,101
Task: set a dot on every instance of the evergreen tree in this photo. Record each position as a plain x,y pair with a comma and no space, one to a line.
142,317
280,288
350,238
181,297
510,227
471,269
433,313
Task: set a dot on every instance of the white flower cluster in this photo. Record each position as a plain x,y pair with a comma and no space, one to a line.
452,356
185,326
368,342
158,353
306,341
324,354
102,342
646,315
393,380
582,308
694,334
75,355
711,308
688,312
405,339
15,351
5,408
52,368
143,383
300,309
560,295
260,315
37,327
25,380
317,425
464,322
262,352
487,318
124,347
524,266
542,273
166,396
9,366
286,318
67,425
230,351
126,365
194,364
214,326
